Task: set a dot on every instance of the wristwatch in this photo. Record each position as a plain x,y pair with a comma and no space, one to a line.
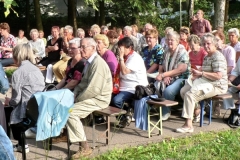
120,59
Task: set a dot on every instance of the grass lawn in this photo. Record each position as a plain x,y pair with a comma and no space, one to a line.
223,145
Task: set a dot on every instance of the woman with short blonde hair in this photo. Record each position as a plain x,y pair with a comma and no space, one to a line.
23,52
26,81
102,49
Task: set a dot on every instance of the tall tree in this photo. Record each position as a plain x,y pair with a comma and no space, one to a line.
102,12
219,13
38,14
190,4
27,13
226,11
72,20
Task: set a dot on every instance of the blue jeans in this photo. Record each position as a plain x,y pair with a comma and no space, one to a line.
6,61
120,98
170,93
6,147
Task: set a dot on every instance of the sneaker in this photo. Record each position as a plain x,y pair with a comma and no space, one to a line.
196,119
30,134
166,116
82,153
17,148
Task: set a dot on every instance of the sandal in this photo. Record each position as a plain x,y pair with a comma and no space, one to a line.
184,130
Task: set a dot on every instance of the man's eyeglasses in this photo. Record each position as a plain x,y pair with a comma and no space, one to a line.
83,47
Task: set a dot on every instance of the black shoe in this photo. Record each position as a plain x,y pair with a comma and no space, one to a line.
124,121
98,120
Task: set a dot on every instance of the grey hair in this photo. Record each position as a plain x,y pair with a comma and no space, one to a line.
95,26
69,28
90,41
147,24
234,30
209,35
23,52
75,41
104,28
80,30
33,30
129,28
169,29
173,34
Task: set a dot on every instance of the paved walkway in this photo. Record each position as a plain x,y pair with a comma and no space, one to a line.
120,138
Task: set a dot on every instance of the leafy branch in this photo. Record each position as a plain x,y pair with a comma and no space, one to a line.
8,5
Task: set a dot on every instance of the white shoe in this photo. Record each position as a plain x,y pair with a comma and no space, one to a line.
166,116
30,134
196,119
17,148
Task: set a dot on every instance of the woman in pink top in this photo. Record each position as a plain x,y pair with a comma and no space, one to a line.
197,52
228,51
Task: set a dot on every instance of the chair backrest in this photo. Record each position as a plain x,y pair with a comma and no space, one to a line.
32,110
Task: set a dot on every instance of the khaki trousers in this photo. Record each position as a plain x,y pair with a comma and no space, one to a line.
200,90
59,68
74,125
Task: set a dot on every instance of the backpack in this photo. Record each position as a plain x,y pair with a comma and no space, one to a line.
4,83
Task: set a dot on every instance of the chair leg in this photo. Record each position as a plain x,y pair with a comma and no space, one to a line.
23,145
108,129
210,112
201,114
160,124
68,144
93,131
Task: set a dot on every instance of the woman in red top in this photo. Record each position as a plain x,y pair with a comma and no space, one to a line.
197,52
184,33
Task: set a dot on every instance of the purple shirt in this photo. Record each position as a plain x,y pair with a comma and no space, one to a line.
111,60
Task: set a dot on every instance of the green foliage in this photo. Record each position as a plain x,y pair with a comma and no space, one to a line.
9,72
8,5
211,145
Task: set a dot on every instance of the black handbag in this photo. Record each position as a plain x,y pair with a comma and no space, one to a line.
236,81
143,91
234,118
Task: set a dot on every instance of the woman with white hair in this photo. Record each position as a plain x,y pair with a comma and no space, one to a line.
174,68
80,33
37,44
127,31
26,81
233,35
211,80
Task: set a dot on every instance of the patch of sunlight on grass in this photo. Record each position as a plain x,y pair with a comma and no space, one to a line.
211,145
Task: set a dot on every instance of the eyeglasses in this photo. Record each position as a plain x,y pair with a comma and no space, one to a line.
83,47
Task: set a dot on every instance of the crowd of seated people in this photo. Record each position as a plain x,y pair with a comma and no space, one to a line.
89,64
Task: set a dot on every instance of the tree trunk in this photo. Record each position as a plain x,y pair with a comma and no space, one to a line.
226,11
96,17
102,12
38,15
72,15
219,13
135,17
190,5
27,17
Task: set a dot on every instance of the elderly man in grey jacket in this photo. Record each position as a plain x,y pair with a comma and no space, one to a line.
92,93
